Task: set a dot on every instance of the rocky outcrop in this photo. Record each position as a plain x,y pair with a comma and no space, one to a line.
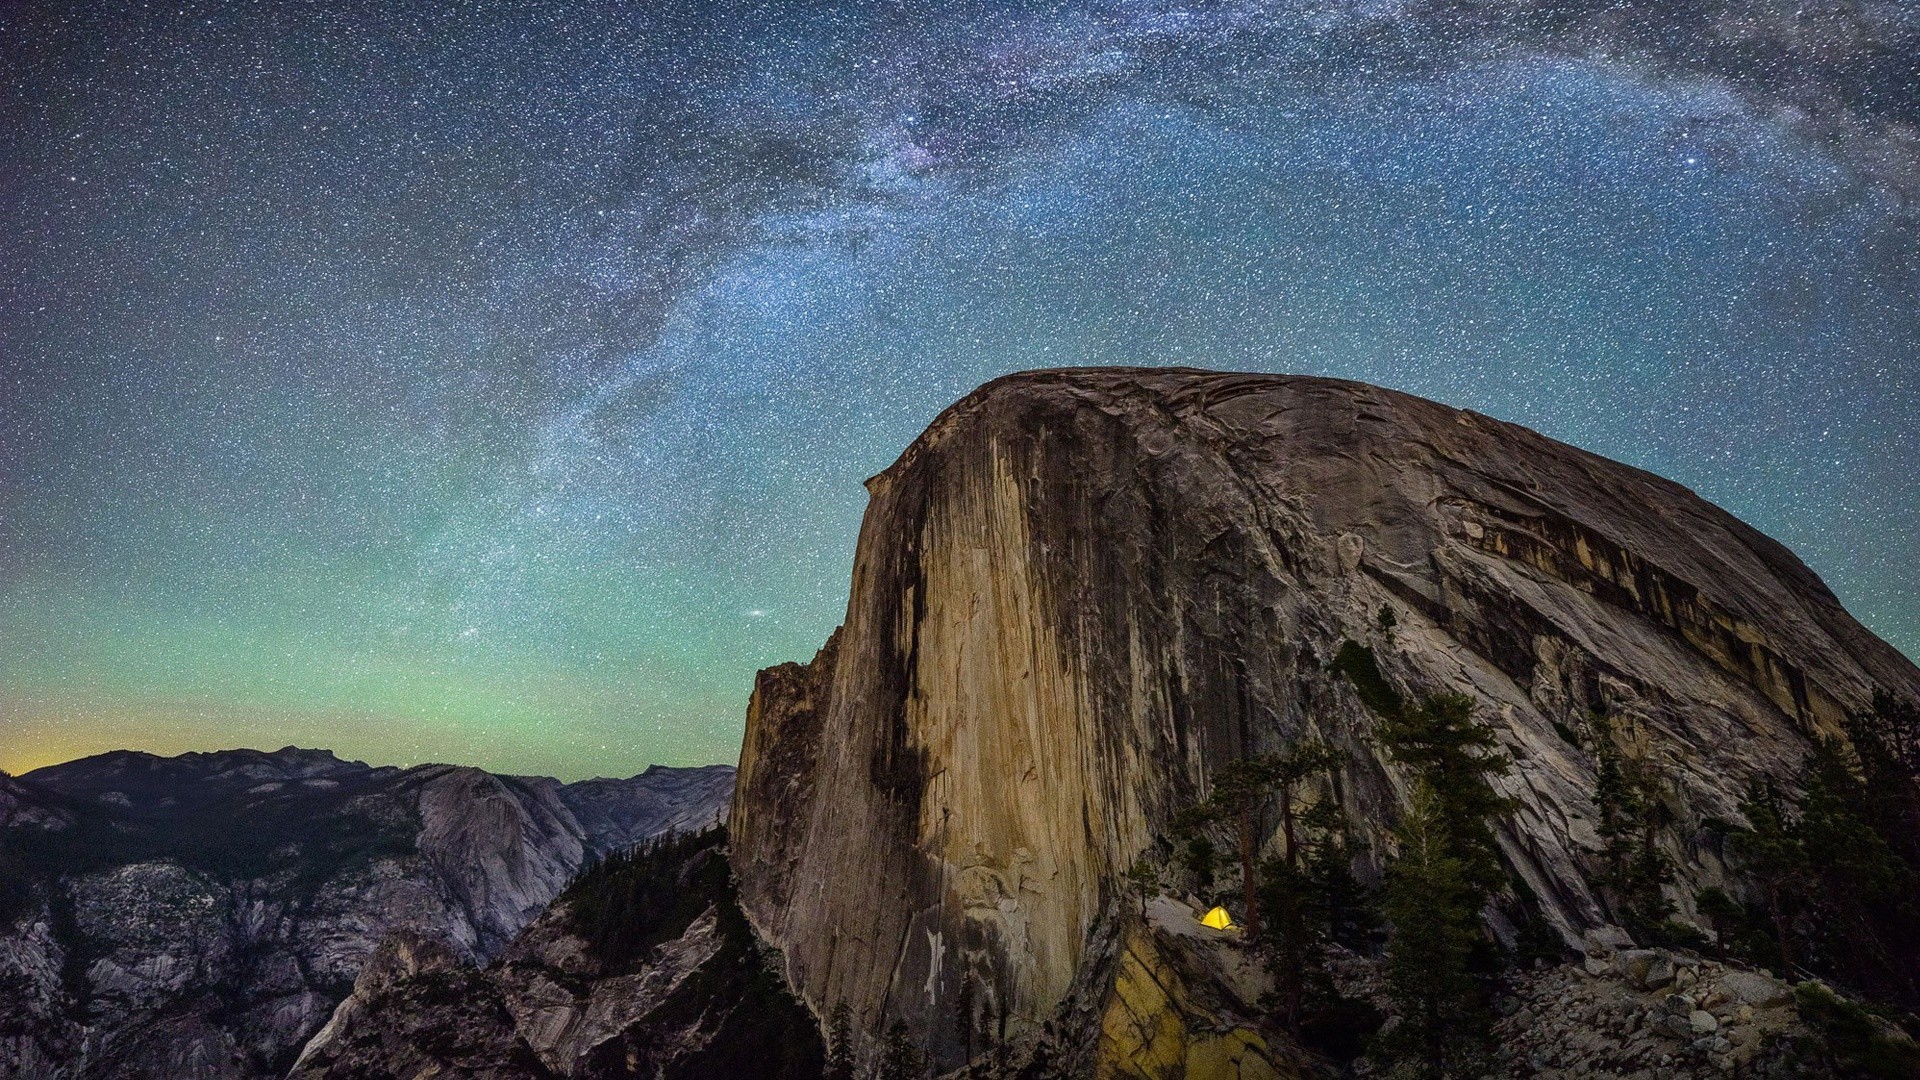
1185,1000
504,848
201,916
645,968
23,808
1080,592
1655,1014
418,1009
38,1036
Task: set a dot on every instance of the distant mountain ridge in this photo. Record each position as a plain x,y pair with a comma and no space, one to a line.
613,813
200,916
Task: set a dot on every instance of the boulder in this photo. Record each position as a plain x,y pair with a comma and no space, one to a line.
1603,941
1754,989
1661,972
1636,965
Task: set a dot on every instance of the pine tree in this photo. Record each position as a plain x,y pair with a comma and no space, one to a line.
1728,920
1293,935
1775,859
1432,906
1144,878
1239,789
965,1021
1863,904
1454,754
1202,863
1304,894
1287,772
840,1044
1631,815
1351,909
1447,868
900,1057
1832,891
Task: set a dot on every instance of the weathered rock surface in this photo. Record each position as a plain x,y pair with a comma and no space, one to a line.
1566,1022
1080,592
1185,1001
604,984
22,807
201,916
418,1010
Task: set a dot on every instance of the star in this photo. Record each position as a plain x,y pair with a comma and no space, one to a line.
499,382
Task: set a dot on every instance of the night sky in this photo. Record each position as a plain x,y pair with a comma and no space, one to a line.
494,383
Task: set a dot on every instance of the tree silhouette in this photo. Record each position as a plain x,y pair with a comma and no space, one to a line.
840,1044
1433,906
900,1057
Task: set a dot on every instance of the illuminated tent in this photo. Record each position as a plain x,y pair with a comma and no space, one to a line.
1217,918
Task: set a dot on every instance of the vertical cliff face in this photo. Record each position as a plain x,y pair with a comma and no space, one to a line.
1079,592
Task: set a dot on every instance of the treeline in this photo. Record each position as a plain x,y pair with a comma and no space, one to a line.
1830,875
1825,879
631,901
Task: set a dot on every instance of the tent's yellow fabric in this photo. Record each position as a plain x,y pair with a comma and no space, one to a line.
1217,918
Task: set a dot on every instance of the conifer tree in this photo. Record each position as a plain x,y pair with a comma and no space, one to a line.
1239,789
1290,769
1454,754
1432,905
1631,815
1351,909
1293,934
840,1044
1144,878
1300,888
1201,861
1775,859
1447,868
1863,896
1832,890
964,1019
900,1057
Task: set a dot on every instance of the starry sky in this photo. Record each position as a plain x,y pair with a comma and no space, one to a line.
494,382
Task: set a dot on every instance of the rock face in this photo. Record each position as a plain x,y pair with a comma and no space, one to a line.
617,814
1080,592
644,968
200,916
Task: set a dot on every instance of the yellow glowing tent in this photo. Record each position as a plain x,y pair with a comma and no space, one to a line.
1217,918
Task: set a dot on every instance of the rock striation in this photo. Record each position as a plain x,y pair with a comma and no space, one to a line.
1080,592
201,916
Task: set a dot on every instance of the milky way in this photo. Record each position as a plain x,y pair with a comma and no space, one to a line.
494,382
